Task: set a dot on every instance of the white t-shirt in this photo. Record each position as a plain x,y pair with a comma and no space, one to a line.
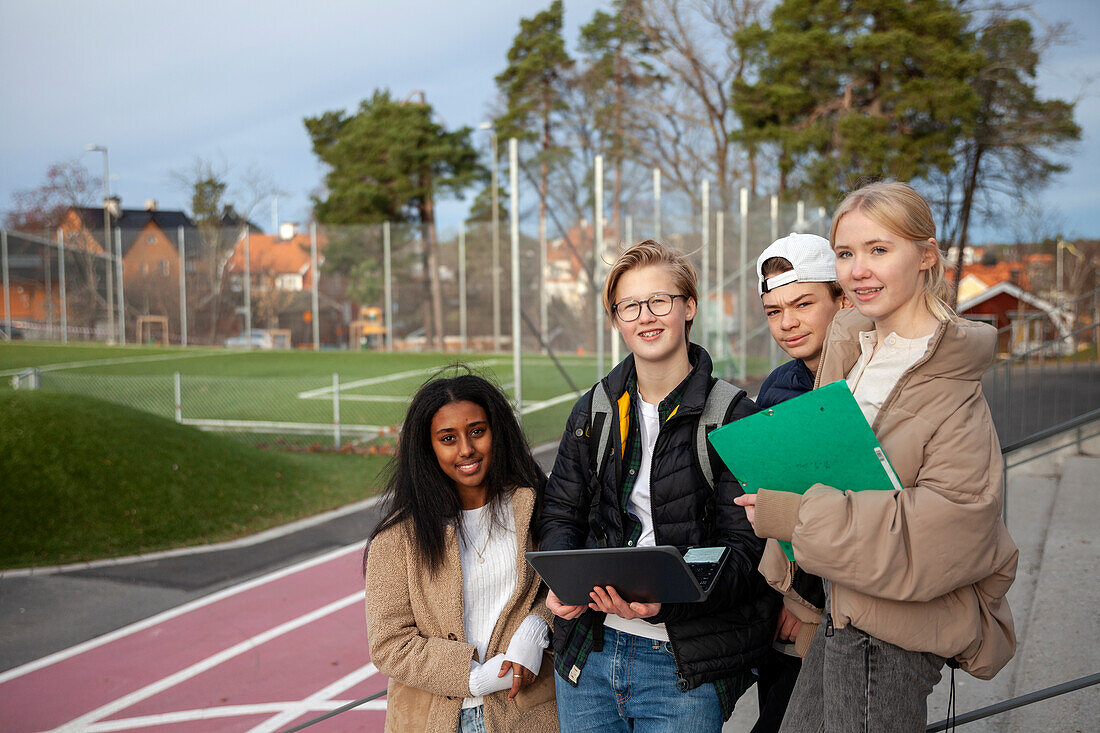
642,508
873,377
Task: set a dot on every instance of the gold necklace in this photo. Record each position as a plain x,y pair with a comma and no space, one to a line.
480,553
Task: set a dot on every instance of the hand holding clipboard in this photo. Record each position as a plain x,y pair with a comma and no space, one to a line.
817,437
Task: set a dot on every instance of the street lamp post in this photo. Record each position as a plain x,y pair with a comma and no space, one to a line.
107,241
494,194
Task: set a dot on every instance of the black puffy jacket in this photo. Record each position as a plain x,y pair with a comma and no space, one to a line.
711,640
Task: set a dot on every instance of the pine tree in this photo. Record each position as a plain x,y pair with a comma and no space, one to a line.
1008,148
617,72
845,90
532,86
388,162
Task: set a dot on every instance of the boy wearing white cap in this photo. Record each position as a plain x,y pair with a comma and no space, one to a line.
796,279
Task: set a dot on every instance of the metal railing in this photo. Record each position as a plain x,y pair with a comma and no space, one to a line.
337,711
1013,703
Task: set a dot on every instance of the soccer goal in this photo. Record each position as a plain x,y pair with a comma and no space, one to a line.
151,329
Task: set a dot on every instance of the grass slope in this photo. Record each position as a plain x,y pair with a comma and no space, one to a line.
83,479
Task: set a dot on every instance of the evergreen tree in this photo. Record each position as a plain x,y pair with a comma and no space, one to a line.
533,89
617,72
850,89
1008,148
387,162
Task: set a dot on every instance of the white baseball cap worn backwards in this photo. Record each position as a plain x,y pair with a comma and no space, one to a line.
811,257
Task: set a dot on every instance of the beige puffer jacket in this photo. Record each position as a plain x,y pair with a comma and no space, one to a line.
926,568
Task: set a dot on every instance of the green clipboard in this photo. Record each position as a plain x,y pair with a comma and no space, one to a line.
817,437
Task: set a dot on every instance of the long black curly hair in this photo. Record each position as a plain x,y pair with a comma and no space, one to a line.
416,487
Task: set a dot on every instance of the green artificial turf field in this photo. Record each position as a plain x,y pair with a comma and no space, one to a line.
287,387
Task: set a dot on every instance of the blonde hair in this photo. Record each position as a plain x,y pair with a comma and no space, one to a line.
649,253
903,212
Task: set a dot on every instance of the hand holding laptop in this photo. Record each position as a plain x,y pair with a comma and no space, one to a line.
606,599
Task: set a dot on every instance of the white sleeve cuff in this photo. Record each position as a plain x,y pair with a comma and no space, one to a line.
527,644
483,677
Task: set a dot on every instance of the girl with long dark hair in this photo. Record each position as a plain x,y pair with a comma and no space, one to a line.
455,616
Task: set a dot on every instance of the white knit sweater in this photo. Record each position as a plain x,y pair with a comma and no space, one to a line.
488,554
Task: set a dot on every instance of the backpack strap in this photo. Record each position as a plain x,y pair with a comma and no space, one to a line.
598,434
599,428
721,400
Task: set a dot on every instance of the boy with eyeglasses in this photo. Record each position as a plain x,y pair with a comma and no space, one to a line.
636,666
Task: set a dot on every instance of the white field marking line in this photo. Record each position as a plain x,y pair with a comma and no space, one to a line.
322,392
165,683
107,362
267,534
369,398
536,406
260,426
174,612
296,710
228,711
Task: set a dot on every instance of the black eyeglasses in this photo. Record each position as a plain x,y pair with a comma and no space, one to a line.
659,304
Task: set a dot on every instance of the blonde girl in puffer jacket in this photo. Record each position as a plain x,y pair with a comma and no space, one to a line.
915,577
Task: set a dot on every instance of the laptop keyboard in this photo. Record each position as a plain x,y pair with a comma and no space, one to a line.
704,573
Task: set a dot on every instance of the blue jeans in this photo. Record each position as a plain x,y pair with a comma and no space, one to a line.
472,720
631,686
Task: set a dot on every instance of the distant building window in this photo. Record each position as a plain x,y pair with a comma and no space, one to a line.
144,268
150,239
190,266
164,268
289,281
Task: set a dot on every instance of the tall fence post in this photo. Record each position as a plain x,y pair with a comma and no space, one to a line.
720,286
181,237
387,285
743,302
597,261
179,398
543,299
336,409
656,206
462,287
773,348
517,368
315,275
121,294
705,292
7,283
61,286
247,286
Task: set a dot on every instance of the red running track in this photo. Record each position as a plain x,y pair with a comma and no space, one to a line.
261,656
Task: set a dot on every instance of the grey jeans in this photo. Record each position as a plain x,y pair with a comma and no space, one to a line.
852,682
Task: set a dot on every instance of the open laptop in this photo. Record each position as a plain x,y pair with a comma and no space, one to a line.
660,574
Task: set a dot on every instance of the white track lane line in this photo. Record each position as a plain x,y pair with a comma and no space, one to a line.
313,704
225,711
165,683
294,711
174,612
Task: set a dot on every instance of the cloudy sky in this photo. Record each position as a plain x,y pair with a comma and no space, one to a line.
161,83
